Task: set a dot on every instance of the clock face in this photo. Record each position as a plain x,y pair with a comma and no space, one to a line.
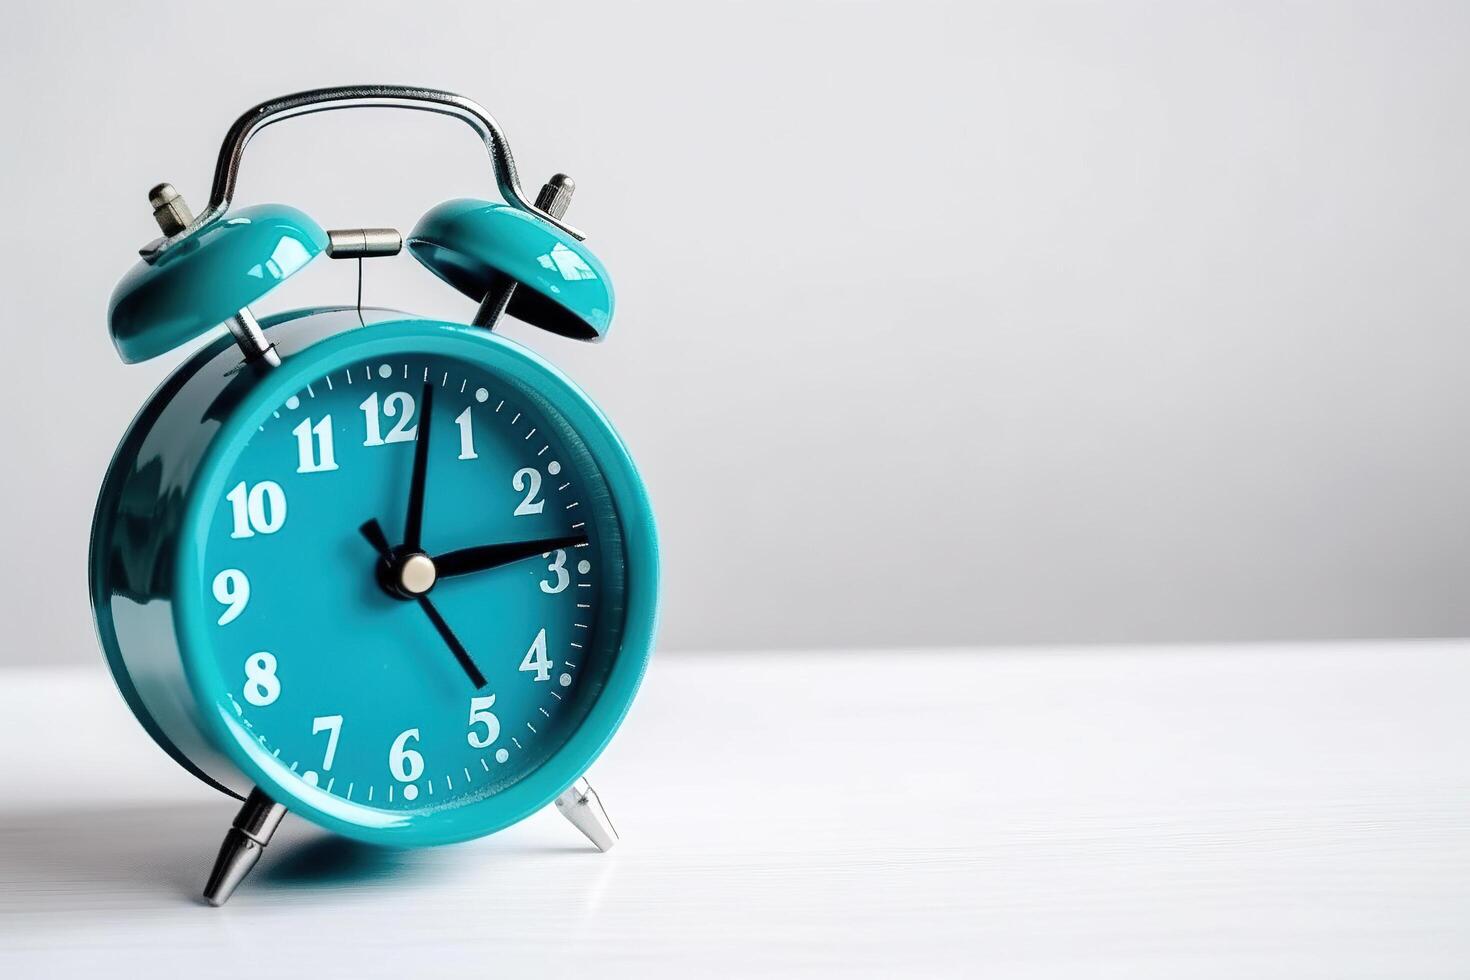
412,584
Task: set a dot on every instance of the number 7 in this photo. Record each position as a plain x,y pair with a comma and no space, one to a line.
332,724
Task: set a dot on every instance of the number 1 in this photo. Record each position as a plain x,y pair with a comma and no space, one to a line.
466,435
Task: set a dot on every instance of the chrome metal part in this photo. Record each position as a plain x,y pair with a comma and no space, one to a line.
492,307
252,830
581,805
556,195
169,209
363,243
251,338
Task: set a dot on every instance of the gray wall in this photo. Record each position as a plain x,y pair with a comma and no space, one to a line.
941,323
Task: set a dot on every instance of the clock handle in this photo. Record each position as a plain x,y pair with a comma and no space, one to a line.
227,167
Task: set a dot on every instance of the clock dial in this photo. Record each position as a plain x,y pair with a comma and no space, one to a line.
413,582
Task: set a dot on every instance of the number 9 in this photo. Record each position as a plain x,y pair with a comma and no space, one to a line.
231,588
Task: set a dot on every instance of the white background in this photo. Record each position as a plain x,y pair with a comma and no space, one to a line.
939,323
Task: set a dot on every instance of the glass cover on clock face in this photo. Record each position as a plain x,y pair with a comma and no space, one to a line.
413,583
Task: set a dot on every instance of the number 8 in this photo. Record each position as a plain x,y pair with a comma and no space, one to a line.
262,687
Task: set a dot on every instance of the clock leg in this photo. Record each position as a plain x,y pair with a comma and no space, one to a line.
248,836
581,805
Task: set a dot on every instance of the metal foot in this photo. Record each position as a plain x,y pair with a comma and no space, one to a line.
248,836
581,806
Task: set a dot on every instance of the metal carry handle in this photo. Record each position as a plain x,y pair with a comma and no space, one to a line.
227,168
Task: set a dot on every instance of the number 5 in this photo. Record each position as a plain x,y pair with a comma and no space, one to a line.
480,715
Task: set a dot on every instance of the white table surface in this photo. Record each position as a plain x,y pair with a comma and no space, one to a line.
1276,811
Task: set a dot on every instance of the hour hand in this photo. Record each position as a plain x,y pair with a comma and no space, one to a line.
373,531
487,556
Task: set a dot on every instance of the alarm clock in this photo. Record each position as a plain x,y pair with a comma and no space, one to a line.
394,574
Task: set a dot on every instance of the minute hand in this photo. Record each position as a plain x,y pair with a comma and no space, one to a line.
487,556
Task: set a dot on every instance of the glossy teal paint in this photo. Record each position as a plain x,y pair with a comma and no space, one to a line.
159,517
202,281
565,288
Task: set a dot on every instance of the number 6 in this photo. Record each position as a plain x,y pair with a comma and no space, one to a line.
406,764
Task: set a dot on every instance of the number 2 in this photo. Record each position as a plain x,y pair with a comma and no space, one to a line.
528,481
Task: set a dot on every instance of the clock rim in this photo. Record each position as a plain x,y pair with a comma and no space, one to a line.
540,786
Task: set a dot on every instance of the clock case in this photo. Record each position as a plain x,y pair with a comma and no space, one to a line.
162,490
167,473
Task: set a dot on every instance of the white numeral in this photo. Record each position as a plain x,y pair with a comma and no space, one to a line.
528,481
466,435
332,725
262,686
399,404
404,763
310,458
480,715
231,588
261,508
535,658
558,567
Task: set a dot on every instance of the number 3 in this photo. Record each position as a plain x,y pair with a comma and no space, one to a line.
558,566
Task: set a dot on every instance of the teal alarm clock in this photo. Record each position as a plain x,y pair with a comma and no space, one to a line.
396,575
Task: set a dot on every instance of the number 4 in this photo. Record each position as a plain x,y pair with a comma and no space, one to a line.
536,659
